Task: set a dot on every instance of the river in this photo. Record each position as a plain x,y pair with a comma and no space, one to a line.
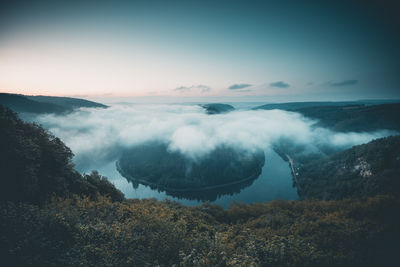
275,182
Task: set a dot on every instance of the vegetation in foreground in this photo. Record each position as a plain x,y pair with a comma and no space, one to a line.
83,220
79,231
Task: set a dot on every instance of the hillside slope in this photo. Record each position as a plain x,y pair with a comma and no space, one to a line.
44,104
354,116
20,103
291,106
36,165
67,102
360,171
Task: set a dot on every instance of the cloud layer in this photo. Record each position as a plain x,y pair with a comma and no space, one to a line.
239,86
200,87
96,135
279,84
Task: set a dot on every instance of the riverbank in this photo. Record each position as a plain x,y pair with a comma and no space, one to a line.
186,190
294,173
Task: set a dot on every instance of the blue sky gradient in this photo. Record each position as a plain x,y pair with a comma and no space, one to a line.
321,49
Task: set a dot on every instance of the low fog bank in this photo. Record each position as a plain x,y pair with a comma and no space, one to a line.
97,136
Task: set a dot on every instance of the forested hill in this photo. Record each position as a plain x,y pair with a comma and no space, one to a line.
356,118
35,165
44,104
292,106
360,171
217,108
347,116
67,102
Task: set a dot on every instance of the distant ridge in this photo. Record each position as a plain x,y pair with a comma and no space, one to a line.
217,108
356,116
68,102
44,104
291,106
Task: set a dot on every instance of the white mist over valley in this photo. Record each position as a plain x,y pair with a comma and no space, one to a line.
98,134
98,137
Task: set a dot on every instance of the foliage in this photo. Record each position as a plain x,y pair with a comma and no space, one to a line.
35,165
363,170
94,183
154,164
80,231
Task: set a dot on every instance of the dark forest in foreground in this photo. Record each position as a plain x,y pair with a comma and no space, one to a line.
53,216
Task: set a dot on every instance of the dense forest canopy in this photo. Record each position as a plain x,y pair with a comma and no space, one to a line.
155,164
363,170
35,165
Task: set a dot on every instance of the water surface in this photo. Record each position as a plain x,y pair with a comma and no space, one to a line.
275,182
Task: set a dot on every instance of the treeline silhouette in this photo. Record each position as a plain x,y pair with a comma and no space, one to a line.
44,104
356,116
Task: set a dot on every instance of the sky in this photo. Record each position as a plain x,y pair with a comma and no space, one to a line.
233,50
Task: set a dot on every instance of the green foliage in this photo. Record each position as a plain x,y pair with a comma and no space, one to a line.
35,165
363,170
154,164
95,183
81,231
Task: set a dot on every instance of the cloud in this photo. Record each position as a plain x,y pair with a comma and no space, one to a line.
200,87
279,84
100,135
239,86
343,83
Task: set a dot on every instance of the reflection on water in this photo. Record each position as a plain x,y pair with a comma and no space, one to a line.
210,194
275,182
